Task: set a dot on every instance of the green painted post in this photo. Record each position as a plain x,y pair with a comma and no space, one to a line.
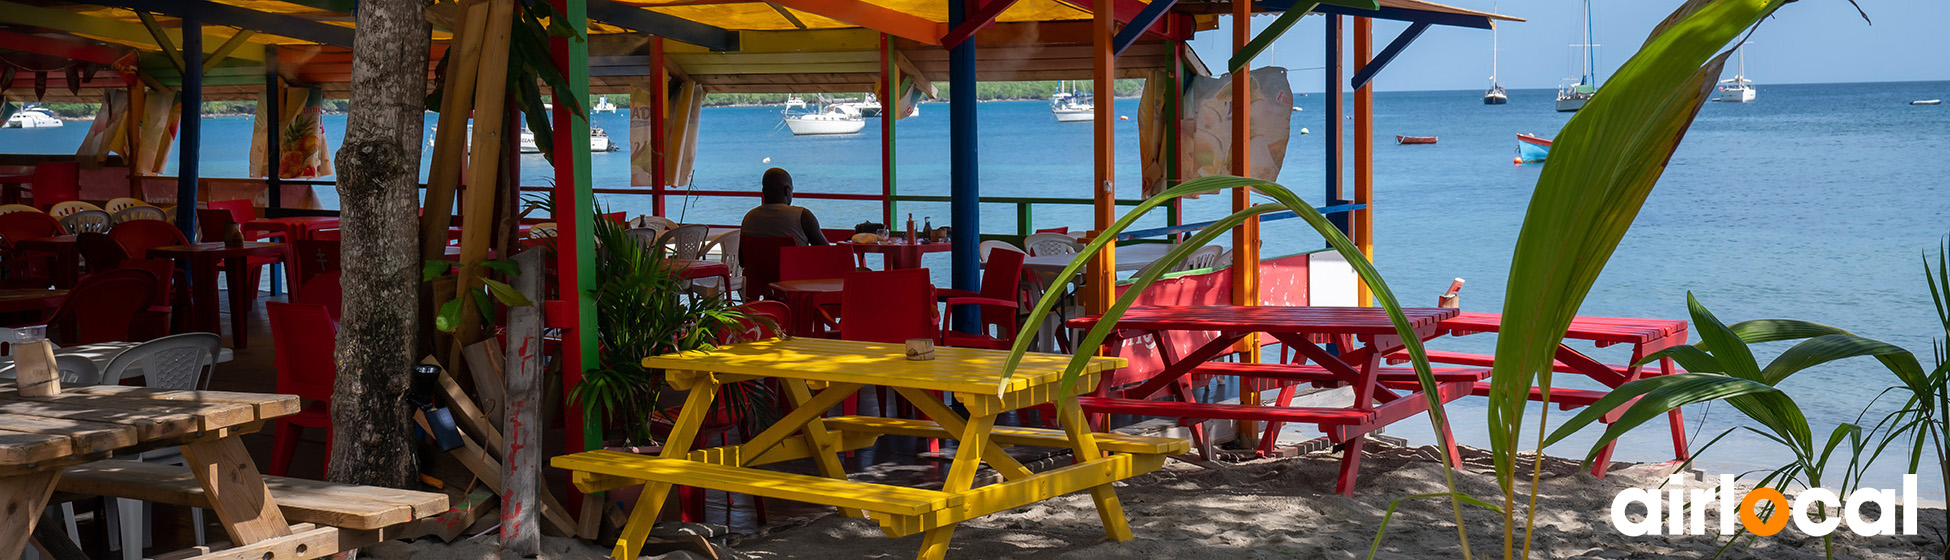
1025,219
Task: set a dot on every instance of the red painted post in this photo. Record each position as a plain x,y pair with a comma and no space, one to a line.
659,113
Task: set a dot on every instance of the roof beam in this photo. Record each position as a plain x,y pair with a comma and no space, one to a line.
662,25
64,47
983,16
106,28
892,22
1126,12
1152,14
1289,16
243,18
1388,53
1397,14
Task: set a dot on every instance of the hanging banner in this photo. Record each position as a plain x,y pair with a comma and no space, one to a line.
1151,131
109,133
160,111
302,149
680,134
1205,129
643,171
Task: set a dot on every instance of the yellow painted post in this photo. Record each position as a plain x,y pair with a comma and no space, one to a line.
1103,269
1245,238
1364,151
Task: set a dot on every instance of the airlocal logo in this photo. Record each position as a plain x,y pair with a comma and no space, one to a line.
1747,510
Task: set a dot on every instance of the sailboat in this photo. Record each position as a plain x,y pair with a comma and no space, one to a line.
1071,107
1496,95
1572,97
1737,89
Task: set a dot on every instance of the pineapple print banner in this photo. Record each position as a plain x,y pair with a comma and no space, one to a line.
1205,130
302,149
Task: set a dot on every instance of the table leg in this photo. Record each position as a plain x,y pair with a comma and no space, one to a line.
242,295
826,455
1350,465
25,496
1675,418
934,409
1110,510
203,296
697,406
237,493
961,478
67,266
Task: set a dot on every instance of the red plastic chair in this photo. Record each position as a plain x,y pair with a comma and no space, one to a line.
760,258
214,224
100,252
314,257
55,183
154,322
27,269
888,306
102,307
999,301
757,315
815,262
322,289
304,336
139,236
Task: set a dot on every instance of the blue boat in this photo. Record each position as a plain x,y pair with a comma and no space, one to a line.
1531,148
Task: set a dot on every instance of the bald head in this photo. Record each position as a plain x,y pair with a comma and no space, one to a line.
777,186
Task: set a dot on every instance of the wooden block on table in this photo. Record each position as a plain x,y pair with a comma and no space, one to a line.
34,369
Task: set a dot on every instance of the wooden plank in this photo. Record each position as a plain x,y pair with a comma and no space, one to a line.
313,543
468,415
86,437
484,364
267,405
207,415
484,164
237,492
53,542
148,426
24,496
520,531
306,501
443,176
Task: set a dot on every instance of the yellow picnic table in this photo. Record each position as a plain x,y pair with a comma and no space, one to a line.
818,374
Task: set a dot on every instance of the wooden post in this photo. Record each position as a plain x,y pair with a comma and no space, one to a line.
965,178
1245,237
1363,219
1103,64
522,427
450,138
478,204
659,123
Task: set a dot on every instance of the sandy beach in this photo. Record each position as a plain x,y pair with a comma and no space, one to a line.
1283,508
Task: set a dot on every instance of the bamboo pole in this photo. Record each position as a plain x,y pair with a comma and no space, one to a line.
485,161
449,139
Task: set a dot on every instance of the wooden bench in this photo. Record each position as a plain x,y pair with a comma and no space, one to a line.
345,506
1010,435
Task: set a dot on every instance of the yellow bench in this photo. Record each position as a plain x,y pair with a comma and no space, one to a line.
1011,435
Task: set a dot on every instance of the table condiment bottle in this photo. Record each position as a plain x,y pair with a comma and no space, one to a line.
910,228
233,238
927,228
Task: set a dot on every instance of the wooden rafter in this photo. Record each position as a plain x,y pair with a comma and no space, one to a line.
103,28
230,46
64,47
892,22
983,16
243,18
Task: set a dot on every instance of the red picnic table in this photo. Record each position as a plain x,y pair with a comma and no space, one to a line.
899,254
1645,335
1382,396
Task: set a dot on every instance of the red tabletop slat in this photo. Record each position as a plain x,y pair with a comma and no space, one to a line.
1284,319
1600,329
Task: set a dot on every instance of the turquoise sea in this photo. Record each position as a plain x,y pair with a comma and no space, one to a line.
1814,202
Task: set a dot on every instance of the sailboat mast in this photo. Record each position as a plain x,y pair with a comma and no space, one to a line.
1590,61
1493,47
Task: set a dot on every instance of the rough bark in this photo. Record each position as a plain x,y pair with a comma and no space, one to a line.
378,191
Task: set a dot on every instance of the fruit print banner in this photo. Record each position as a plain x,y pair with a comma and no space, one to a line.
1205,130
302,149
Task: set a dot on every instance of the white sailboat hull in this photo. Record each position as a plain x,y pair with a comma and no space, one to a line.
810,126
1571,103
1735,95
1085,115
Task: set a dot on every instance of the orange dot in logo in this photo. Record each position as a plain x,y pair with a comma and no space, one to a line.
1754,524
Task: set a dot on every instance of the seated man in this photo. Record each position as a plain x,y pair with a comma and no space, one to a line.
777,217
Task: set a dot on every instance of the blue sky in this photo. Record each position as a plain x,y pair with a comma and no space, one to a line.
1810,41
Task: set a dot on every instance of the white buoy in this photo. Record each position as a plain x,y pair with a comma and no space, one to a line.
1296,109
1303,130
767,160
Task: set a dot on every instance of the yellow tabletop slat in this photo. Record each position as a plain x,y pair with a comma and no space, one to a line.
965,370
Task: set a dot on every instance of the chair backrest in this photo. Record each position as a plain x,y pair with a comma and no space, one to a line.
118,204
887,306
140,236
75,370
28,225
658,223
323,289
241,210
56,182
214,224
305,337
315,257
163,269
138,213
728,245
102,307
647,237
685,242
994,244
542,230
1051,244
79,221
760,257
1063,230
1203,257
181,362
99,251
815,262
1002,274
12,208
62,209
757,315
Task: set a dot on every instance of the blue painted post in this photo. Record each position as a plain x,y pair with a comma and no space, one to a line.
273,176
189,133
1335,108
964,186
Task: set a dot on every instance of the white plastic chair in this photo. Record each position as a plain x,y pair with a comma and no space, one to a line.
685,242
66,208
542,230
133,213
994,244
1051,244
119,204
178,362
86,221
727,246
11,208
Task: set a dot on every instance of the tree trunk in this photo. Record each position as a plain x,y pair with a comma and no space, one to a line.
379,170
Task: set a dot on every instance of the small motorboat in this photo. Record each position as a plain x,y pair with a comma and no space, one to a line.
833,119
1927,102
33,116
1414,139
1531,148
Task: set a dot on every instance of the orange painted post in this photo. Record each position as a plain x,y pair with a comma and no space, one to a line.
1245,238
1364,150
1103,269
659,115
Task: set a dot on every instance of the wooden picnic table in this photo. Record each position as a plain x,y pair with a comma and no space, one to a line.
67,256
1382,396
1645,335
202,260
818,374
899,255
60,441
14,300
